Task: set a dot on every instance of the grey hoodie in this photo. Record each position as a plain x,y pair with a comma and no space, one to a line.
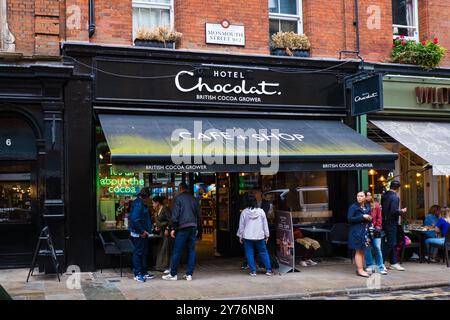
253,225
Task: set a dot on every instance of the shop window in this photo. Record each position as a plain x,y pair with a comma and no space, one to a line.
285,15
405,19
15,195
152,14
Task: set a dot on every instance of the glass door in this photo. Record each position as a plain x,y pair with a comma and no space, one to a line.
18,212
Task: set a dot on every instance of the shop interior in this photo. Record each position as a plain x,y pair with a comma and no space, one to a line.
221,197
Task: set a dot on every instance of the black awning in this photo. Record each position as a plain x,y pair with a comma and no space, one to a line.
175,143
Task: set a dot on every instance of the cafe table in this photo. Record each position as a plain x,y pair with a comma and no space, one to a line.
421,232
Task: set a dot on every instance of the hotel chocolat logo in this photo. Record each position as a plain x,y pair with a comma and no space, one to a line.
225,86
366,96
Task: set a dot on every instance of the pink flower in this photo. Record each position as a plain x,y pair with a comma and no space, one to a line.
393,45
397,38
436,40
424,43
402,37
403,43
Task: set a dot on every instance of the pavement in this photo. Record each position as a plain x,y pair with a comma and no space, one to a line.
222,279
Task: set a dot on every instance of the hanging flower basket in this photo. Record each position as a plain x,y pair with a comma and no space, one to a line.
427,54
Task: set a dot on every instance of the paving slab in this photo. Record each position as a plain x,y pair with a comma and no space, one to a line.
223,281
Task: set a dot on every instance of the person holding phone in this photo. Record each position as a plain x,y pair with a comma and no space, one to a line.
358,238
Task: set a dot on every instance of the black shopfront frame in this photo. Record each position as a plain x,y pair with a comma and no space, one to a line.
118,80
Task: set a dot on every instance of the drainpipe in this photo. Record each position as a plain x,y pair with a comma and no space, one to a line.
91,18
356,24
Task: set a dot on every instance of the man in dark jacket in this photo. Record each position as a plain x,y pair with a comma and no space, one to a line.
140,228
390,206
185,220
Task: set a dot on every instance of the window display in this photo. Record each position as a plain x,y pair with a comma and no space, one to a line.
15,194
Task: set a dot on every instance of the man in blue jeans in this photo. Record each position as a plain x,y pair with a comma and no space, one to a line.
390,206
140,228
185,221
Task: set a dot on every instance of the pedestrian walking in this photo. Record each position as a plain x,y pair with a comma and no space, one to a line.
185,223
140,227
253,232
391,212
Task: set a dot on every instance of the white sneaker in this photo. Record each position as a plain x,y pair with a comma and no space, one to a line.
415,256
370,270
167,271
170,277
303,263
397,267
383,272
187,277
310,262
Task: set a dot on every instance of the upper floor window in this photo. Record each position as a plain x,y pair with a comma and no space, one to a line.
152,14
405,19
285,15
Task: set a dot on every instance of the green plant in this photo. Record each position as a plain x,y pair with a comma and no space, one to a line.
160,34
290,40
427,54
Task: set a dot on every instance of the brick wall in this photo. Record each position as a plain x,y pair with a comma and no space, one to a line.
39,25
21,24
113,21
191,16
435,22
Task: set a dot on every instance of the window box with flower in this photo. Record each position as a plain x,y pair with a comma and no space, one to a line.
160,37
427,54
290,44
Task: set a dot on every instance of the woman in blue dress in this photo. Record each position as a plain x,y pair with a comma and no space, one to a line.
358,238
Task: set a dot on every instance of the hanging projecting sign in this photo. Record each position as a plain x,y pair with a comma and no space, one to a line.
225,33
367,95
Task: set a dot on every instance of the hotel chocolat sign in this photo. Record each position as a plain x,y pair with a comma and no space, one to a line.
367,95
224,33
200,84
236,89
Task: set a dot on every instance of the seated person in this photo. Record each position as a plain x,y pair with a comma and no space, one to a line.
431,219
441,228
307,247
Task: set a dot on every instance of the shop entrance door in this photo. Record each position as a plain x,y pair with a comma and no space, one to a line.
18,213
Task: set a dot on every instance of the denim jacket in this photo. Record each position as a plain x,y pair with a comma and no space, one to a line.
139,218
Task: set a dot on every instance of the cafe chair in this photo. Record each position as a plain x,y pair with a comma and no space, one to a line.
112,245
339,237
445,247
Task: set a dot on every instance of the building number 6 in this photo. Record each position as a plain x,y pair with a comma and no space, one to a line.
8,142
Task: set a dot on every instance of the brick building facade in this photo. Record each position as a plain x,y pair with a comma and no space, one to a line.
39,25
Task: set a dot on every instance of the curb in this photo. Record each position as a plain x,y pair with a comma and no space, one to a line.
343,292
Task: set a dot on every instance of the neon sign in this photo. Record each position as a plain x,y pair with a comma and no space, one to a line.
115,183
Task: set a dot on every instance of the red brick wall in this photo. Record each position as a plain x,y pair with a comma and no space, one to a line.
375,24
39,25
326,35
191,16
113,21
21,24
330,27
434,21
